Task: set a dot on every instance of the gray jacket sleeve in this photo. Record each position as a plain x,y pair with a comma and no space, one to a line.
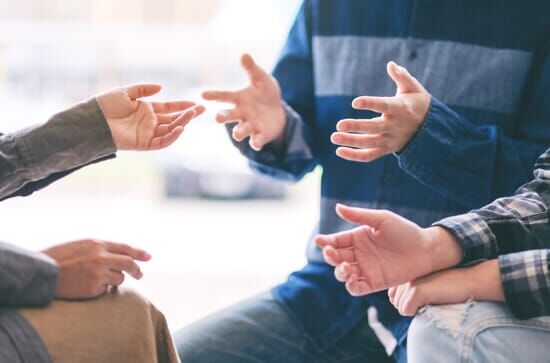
69,140
26,278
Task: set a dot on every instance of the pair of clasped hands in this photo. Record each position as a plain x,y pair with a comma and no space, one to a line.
88,268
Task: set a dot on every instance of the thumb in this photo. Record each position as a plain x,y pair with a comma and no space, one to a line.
142,90
255,73
403,79
361,216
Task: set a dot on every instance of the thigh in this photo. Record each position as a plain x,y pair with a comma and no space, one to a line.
120,326
477,332
256,330
259,330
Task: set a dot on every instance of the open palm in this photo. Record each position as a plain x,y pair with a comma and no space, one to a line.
385,251
258,110
142,125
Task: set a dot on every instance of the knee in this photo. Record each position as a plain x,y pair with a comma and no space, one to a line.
433,335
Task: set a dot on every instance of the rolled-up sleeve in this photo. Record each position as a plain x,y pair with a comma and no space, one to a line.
26,278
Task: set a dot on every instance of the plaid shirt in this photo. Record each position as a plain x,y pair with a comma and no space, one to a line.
517,231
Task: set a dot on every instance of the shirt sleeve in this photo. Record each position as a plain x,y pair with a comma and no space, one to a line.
26,278
475,164
294,72
36,156
526,282
510,224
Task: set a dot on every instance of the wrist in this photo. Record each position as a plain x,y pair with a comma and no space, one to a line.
443,248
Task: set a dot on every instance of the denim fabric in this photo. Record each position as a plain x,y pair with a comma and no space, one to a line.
259,330
477,332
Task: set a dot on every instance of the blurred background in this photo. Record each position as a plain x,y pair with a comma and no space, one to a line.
217,232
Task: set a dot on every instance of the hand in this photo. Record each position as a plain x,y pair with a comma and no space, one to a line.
481,282
387,250
258,109
87,268
142,125
401,117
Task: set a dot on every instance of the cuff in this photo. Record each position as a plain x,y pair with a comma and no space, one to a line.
525,281
474,235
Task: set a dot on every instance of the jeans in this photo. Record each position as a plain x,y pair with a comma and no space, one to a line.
477,332
259,330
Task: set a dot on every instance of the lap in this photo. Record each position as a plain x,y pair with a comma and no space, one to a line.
259,330
120,326
477,332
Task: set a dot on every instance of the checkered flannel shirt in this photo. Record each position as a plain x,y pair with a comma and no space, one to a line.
516,230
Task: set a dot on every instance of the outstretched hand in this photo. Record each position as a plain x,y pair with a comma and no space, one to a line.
401,117
142,125
258,109
385,251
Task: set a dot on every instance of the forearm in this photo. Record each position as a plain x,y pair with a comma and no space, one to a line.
26,278
68,140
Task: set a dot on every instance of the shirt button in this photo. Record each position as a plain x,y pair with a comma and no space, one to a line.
387,179
413,55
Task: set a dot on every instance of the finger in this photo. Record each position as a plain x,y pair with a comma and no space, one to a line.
377,104
409,305
221,96
124,263
361,216
375,125
341,274
331,256
336,240
162,142
257,142
114,278
391,294
229,116
350,269
401,290
255,73
241,131
403,79
358,287
172,106
361,155
359,141
142,90
127,250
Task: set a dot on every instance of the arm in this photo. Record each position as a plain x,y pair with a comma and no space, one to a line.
511,224
280,132
366,257
481,282
519,279
89,132
68,140
442,148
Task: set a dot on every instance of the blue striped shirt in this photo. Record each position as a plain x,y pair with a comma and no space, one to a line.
487,67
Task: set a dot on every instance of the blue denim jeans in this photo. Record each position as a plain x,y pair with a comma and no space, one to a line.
259,330
477,332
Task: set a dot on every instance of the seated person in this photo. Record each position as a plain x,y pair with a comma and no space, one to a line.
120,326
511,238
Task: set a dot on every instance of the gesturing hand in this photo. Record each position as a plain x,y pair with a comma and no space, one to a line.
141,125
258,109
401,117
88,267
387,250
